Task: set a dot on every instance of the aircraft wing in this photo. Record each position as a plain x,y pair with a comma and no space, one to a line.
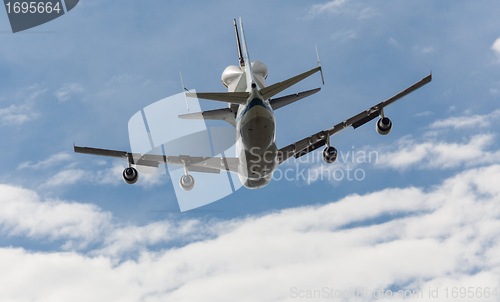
192,163
319,139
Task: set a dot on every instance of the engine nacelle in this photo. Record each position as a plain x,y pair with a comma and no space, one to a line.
130,175
329,155
384,126
187,182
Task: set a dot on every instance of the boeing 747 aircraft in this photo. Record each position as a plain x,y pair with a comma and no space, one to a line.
250,110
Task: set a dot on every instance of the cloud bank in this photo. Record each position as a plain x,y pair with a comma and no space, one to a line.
407,238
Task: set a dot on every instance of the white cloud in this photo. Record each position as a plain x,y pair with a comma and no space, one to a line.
52,161
131,238
30,93
67,91
151,180
428,49
66,177
367,13
424,49
468,121
396,238
22,110
425,113
25,213
118,83
15,115
496,47
329,7
104,175
430,154
337,7
110,175
345,35
393,42
406,153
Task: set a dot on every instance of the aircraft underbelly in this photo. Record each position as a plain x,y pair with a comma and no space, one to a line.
258,151
257,129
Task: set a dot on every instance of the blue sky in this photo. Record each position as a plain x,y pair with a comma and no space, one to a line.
425,215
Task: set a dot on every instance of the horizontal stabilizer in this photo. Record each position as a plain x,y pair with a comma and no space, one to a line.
270,91
224,114
228,97
287,100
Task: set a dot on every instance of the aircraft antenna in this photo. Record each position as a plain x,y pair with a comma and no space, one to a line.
319,64
184,91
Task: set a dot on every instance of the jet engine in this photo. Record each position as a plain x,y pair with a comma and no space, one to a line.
187,182
329,155
130,175
384,125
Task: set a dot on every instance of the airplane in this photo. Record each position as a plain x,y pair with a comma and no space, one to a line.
251,106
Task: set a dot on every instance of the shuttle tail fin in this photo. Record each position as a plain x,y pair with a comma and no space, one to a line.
246,58
240,54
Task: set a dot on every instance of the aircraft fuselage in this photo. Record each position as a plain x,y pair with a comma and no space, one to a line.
255,142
